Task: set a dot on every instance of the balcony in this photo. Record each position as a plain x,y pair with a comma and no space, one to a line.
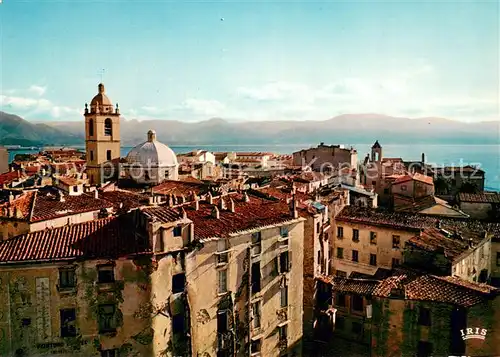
282,314
225,340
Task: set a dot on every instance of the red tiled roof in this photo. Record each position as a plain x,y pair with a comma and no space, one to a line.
284,193
104,238
9,177
258,212
484,197
23,203
450,290
446,290
418,177
48,206
127,200
179,188
164,214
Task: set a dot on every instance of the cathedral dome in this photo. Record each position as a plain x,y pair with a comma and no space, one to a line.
100,98
152,152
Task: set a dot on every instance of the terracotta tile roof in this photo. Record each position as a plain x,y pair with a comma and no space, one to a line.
284,193
256,213
124,199
242,153
380,217
484,197
9,177
447,290
22,203
179,188
433,240
450,290
418,177
164,214
47,205
104,238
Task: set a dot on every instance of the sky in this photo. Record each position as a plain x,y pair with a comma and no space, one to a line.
251,60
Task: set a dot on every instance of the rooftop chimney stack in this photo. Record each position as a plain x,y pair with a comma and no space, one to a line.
18,213
215,212
196,204
231,205
246,198
222,204
210,198
96,194
423,158
293,208
11,197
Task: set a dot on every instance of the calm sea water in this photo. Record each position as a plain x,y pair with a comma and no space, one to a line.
486,156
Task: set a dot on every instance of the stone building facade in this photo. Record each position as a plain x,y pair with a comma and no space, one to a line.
326,158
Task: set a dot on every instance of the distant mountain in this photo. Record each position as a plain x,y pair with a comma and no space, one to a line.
14,130
342,129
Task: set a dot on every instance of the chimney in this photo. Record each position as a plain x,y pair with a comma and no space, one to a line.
471,244
183,198
170,200
222,204
210,198
231,205
423,158
196,204
438,224
215,212
293,208
11,197
96,194
174,199
183,212
18,212
61,196
246,198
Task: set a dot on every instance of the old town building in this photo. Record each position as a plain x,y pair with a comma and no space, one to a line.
326,158
407,315
4,160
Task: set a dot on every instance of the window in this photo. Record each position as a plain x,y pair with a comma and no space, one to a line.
108,127
317,227
107,318
284,296
424,349
178,231
222,321
373,238
319,257
395,242
340,232
178,323
354,255
498,259
108,155
386,191
105,274
284,262
283,332
340,253
356,328
256,346
68,318
357,303
284,232
255,277
256,243
340,299
374,183
222,281
66,278
403,187
341,274
91,155
339,322
395,262
355,235
256,315
483,276
424,316
109,353
373,259
91,127
178,283
222,254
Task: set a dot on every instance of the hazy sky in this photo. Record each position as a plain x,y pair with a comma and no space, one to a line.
251,60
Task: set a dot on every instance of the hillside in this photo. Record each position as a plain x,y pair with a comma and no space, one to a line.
346,129
14,130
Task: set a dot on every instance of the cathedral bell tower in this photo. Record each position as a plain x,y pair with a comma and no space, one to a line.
102,137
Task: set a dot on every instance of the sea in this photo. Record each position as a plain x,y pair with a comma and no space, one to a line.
487,157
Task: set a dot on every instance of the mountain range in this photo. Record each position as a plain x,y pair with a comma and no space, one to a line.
342,129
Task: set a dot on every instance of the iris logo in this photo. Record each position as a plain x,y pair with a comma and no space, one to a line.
477,333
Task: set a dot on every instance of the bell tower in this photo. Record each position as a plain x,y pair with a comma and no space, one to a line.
102,137
376,152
